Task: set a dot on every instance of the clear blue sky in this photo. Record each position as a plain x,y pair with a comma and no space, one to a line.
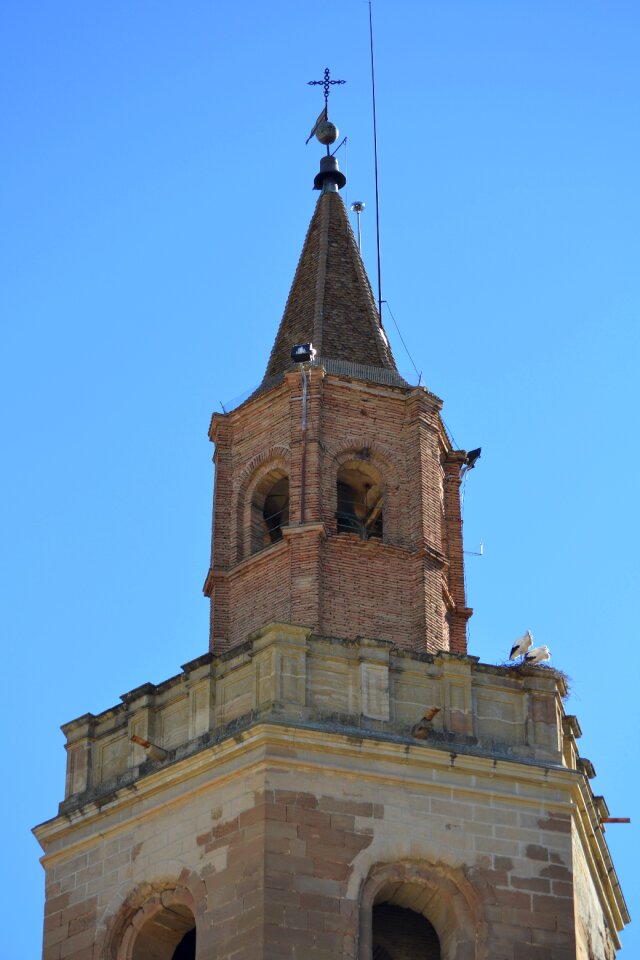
155,193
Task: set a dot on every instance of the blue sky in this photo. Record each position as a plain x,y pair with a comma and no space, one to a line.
155,190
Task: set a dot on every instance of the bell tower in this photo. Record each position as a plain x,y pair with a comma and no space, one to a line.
336,501
336,777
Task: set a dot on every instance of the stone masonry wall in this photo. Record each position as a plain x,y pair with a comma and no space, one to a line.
292,674
593,934
283,843
294,794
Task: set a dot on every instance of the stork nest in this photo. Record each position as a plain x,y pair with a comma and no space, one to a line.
523,669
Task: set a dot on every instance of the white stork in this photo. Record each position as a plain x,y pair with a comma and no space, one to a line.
521,646
537,655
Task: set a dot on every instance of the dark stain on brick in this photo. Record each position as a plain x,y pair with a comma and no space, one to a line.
557,824
533,884
556,872
535,852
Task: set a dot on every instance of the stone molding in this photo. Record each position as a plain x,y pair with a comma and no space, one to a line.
288,674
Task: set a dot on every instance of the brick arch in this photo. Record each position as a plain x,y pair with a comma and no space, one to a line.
444,895
276,452
183,897
382,459
354,444
274,458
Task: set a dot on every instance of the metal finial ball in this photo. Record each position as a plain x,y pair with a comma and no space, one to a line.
327,132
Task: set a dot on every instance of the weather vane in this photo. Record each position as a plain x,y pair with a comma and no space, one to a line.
326,132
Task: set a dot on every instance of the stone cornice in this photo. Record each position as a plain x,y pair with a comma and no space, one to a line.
375,758
596,851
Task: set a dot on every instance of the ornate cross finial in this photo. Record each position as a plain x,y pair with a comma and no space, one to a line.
327,83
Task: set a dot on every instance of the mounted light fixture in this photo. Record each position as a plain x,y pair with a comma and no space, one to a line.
303,353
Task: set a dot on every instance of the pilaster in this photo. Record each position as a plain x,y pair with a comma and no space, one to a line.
456,693
455,552
305,545
374,679
141,719
201,687
80,736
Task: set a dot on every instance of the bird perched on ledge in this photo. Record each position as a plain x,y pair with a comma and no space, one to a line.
537,655
521,646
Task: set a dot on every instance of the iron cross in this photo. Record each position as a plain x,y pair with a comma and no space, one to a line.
326,83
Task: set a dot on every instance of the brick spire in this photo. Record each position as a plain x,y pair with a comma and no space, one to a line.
330,302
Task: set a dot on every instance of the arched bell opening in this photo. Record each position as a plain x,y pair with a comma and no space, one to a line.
170,934
402,934
269,509
441,896
360,500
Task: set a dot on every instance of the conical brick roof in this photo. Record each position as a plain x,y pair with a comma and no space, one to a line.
330,303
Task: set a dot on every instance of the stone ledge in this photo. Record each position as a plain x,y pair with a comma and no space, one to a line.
285,673
332,734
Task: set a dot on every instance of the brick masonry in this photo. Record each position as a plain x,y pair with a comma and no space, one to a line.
407,588
330,302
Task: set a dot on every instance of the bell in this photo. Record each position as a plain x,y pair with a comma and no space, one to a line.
329,170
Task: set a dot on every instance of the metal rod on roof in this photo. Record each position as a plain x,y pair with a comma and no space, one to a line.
375,155
303,457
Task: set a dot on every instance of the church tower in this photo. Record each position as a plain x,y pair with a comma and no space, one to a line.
337,489
336,777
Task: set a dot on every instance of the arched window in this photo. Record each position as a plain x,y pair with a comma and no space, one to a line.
360,500
170,934
417,909
269,509
400,934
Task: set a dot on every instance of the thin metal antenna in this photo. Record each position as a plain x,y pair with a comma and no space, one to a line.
475,553
303,462
375,154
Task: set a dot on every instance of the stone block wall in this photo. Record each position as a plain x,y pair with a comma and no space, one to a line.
367,686
295,787
279,842
293,795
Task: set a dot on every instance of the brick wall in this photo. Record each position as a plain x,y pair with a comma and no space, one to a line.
407,588
371,589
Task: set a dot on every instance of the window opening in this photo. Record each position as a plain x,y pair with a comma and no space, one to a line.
269,509
401,934
360,501
276,509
